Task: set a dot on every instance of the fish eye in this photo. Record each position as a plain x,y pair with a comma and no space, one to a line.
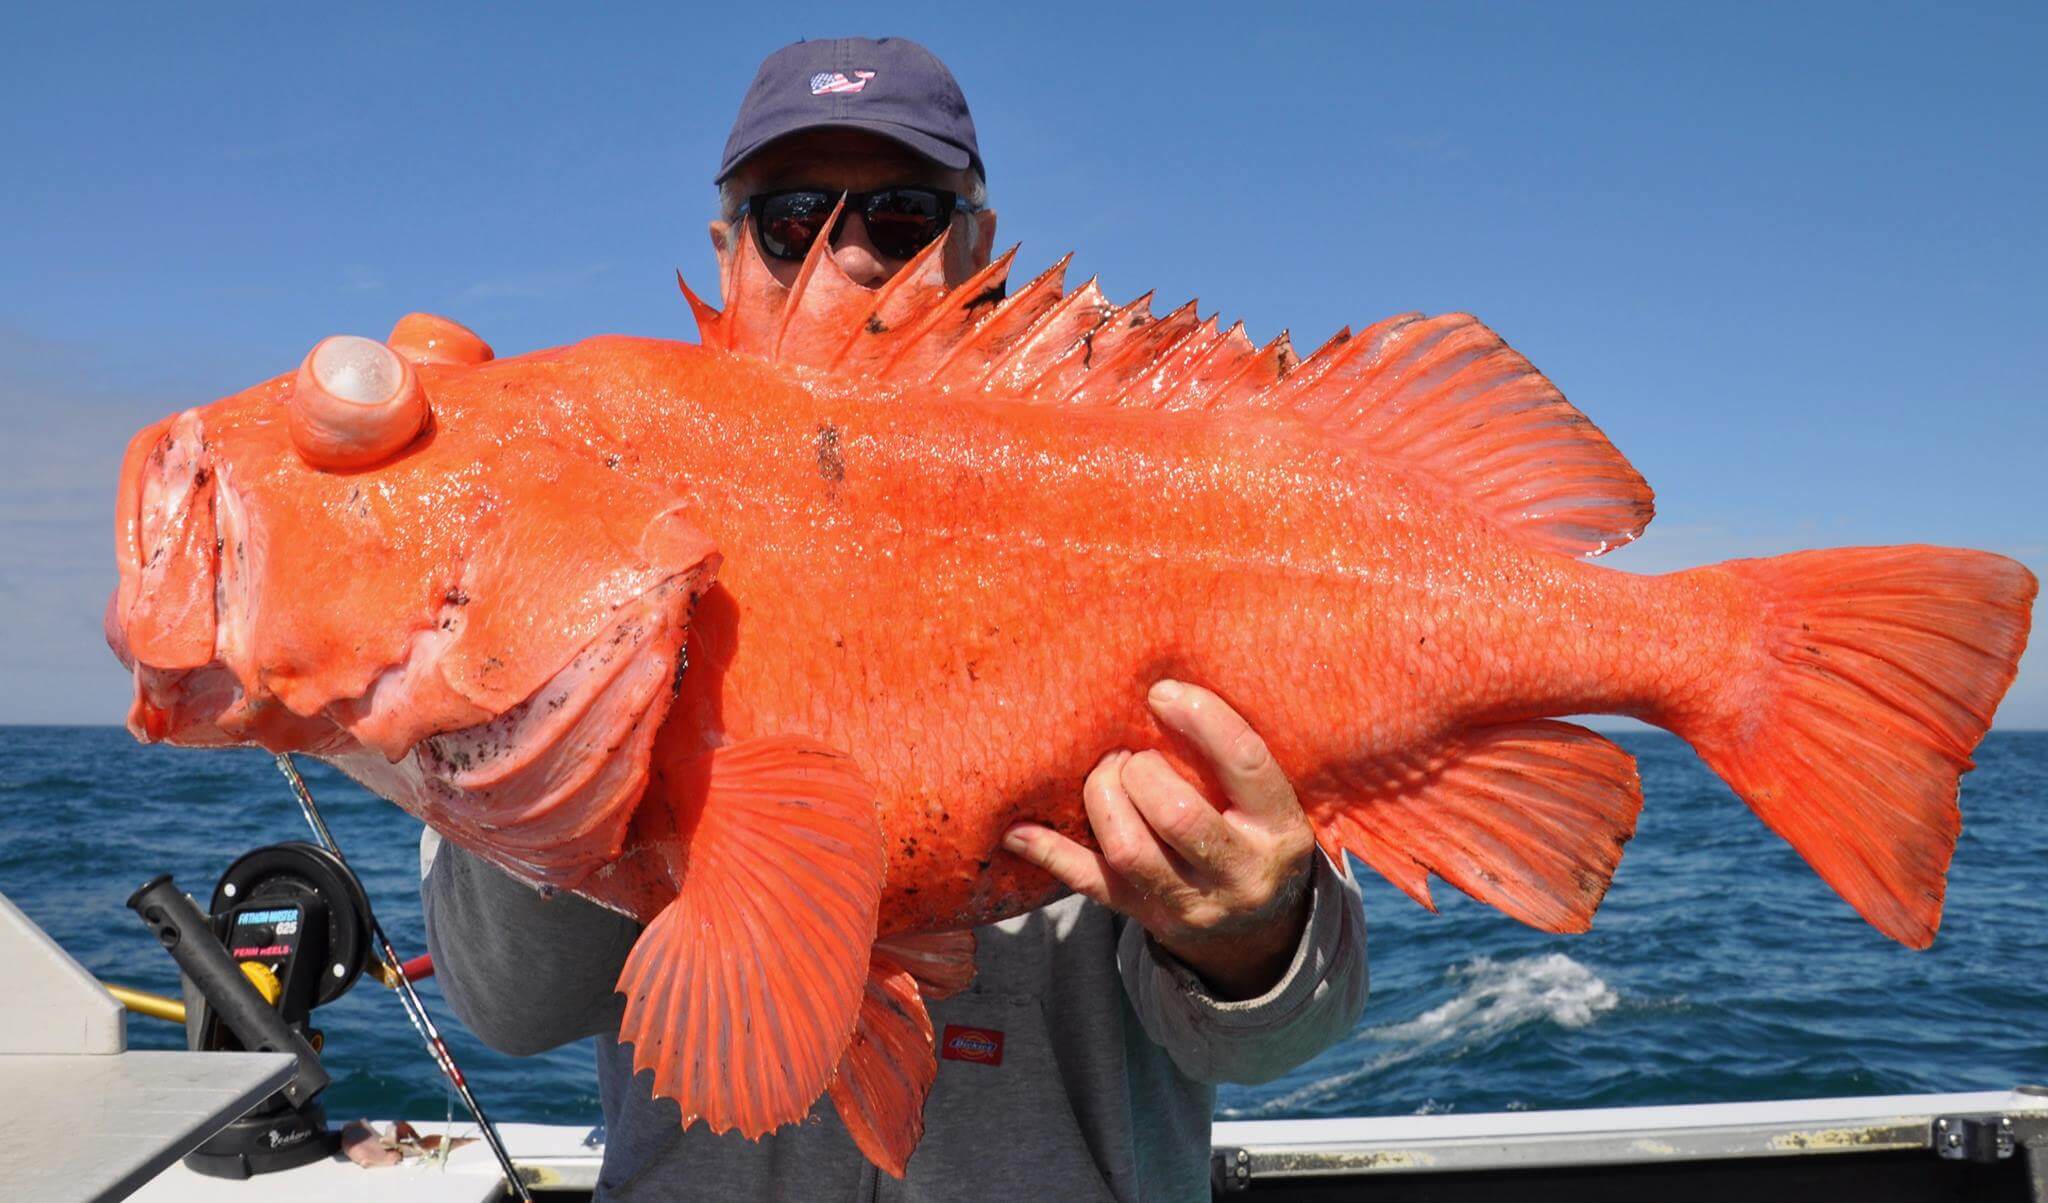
428,338
357,369
355,403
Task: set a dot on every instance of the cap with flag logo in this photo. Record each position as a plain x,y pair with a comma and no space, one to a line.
888,86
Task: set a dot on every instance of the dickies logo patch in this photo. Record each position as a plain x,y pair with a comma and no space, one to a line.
983,1046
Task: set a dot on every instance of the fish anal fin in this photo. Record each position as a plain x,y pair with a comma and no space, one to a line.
743,993
888,1069
1527,817
941,961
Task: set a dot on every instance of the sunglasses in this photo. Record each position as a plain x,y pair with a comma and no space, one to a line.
901,221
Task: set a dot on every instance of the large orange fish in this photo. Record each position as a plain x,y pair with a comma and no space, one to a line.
767,641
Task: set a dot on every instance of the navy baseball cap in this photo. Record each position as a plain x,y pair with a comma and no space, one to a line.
888,86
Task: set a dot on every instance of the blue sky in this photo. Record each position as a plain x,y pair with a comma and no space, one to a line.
1789,257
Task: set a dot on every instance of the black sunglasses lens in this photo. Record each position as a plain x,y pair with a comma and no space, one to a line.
789,222
903,221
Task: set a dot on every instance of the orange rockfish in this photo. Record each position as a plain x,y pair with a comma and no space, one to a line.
767,641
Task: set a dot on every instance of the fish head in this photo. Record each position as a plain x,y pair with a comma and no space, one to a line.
392,558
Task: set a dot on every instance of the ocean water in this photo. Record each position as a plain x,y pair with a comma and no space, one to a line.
1719,968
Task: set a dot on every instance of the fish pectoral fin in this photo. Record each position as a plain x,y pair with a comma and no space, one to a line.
888,1070
941,961
1528,817
744,991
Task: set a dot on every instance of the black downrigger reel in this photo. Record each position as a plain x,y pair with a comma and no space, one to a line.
290,930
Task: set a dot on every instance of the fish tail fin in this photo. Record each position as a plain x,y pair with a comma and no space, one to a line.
1873,678
744,992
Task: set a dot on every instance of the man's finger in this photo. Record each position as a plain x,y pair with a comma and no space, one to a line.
1129,847
1080,869
1178,812
1251,778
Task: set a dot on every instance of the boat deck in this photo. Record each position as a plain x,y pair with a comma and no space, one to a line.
1876,1149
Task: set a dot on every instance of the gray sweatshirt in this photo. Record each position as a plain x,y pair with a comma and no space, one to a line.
1081,1064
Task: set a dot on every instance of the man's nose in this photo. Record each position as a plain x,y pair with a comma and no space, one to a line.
857,256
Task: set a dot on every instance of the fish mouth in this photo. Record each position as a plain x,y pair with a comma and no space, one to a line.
538,769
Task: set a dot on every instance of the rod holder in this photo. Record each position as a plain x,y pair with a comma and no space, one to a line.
187,934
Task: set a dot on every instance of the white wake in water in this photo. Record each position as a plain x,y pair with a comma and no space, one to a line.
1494,997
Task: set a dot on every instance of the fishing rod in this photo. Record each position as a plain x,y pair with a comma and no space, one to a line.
395,976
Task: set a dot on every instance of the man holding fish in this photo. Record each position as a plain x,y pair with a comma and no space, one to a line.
1202,944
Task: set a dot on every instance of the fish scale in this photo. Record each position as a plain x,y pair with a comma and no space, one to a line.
766,642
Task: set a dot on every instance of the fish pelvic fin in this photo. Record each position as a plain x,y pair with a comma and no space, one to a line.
1442,398
743,994
888,1069
941,961
1873,678
1528,817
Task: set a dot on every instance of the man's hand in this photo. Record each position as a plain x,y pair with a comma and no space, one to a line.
1224,891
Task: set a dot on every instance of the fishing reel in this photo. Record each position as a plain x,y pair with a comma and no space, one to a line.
289,931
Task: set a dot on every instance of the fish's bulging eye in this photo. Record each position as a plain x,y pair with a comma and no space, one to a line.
356,369
355,403
429,338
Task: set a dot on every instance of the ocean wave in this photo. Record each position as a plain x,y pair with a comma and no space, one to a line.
1494,997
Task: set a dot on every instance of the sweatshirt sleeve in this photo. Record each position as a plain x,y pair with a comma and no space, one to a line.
1316,1002
526,973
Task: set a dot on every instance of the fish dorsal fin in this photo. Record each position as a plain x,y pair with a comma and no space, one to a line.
754,298
1442,398
822,305
1446,398
999,332
895,315
940,332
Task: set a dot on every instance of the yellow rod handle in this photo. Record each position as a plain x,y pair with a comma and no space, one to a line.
142,1002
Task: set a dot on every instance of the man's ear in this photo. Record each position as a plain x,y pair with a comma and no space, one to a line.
721,236
984,237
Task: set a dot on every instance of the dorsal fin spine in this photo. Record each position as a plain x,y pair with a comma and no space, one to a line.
905,296
820,251
1041,345
954,318
1205,374
710,332
1140,358
1013,319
